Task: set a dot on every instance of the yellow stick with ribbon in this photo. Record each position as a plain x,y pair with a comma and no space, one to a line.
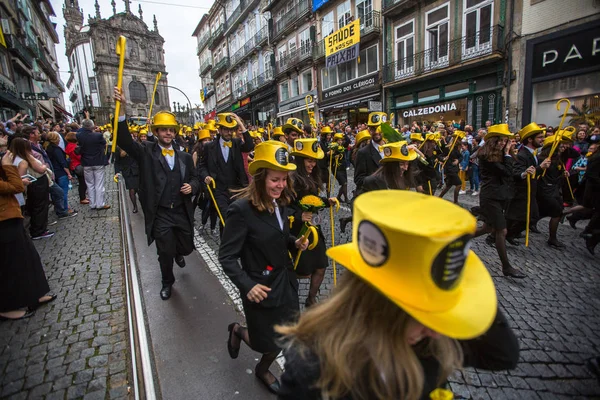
430,191
311,115
557,132
450,152
121,45
528,210
212,196
310,229
269,129
333,238
158,76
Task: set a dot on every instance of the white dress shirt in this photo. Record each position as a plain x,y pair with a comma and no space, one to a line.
378,148
278,214
170,159
224,149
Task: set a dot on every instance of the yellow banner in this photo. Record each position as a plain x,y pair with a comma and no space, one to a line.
2,41
343,38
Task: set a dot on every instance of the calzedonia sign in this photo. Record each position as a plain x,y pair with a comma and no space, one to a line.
358,84
414,112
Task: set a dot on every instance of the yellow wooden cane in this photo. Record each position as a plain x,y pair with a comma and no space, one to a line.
269,128
430,191
557,133
528,210
212,182
121,45
310,229
158,76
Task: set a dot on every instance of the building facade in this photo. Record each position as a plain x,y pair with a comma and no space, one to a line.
93,62
29,80
445,60
554,61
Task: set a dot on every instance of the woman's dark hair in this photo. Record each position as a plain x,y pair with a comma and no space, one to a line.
489,151
198,148
20,148
394,177
302,181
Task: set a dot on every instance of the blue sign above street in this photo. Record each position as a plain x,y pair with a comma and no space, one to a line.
318,4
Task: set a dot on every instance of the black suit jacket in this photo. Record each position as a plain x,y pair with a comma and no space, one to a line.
258,241
210,166
367,162
153,175
518,204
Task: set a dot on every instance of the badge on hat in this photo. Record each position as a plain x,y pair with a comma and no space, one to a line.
372,244
387,151
282,156
315,146
299,146
449,263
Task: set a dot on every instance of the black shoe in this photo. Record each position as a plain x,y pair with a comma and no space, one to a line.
534,229
572,222
52,298
490,241
310,302
44,235
555,244
28,313
165,292
343,223
179,260
513,273
512,241
274,387
135,210
590,245
233,352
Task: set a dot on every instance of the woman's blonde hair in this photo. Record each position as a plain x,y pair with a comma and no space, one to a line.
361,340
52,137
256,192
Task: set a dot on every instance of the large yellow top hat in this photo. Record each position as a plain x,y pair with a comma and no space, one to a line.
326,129
277,131
188,129
295,124
143,131
210,125
530,130
421,262
271,155
362,136
164,119
397,151
377,118
338,136
261,130
308,148
226,120
416,137
203,134
498,130
565,138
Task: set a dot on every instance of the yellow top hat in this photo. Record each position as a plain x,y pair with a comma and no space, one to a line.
397,151
461,134
338,136
164,119
308,148
210,125
421,261
197,126
277,131
226,120
143,131
565,138
255,134
326,129
377,118
261,130
416,137
362,136
295,124
498,130
529,130
203,134
271,155
188,129
430,136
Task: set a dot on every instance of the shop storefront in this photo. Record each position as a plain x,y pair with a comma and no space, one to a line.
243,109
296,107
352,101
471,96
564,64
264,106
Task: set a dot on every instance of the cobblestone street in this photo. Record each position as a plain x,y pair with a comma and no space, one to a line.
77,346
555,313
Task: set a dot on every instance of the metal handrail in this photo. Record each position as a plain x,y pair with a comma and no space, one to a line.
294,57
143,374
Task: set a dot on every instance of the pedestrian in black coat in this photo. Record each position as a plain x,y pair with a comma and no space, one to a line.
257,233
367,158
129,169
168,181
222,161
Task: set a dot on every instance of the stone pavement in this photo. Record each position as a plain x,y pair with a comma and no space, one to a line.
77,346
555,312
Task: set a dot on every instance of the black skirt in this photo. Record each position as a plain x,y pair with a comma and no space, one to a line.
22,277
314,259
132,181
492,212
452,179
549,200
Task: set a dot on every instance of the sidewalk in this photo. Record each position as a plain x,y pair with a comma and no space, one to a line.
75,347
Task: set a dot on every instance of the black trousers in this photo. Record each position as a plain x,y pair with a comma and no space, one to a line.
82,187
174,237
37,206
223,199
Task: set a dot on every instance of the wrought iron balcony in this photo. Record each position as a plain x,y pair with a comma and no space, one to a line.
261,36
20,50
205,66
221,66
481,45
319,50
288,20
294,58
248,48
236,13
216,36
370,24
267,5
260,81
202,42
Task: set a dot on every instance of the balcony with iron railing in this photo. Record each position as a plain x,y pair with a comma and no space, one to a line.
205,66
394,7
215,37
20,50
319,50
483,45
202,42
267,5
260,81
370,25
239,14
292,59
220,67
290,19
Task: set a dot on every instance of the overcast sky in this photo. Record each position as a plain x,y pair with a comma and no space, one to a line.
175,24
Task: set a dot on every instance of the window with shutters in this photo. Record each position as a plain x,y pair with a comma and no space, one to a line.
405,49
437,37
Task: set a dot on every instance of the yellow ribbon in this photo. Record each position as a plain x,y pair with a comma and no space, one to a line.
169,152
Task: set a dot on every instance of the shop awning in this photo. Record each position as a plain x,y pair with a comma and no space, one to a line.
350,102
61,110
295,110
16,103
47,111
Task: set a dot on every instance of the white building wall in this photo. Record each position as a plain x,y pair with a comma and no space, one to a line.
557,12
